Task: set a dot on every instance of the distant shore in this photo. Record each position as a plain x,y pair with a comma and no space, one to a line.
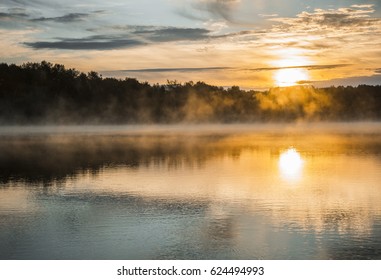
47,94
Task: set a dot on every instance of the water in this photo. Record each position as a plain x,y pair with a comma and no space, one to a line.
197,192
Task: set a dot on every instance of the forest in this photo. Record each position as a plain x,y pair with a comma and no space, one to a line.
46,93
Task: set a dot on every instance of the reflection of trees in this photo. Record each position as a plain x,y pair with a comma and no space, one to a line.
44,159
339,215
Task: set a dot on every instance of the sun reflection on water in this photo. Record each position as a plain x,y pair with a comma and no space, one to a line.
290,165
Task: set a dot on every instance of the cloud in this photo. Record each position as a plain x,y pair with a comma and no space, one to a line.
132,36
169,34
247,35
16,10
72,17
218,9
330,43
68,18
87,43
204,69
40,4
349,81
13,18
308,67
369,6
186,69
268,15
343,18
20,17
12,15
188,14
344,37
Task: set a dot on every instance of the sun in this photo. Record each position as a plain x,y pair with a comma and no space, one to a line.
290,164
290,76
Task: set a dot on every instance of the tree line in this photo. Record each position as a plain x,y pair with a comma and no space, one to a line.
43,93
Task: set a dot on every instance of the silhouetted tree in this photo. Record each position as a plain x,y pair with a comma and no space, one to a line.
36,93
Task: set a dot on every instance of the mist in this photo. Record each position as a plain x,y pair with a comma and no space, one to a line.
47,94
48,154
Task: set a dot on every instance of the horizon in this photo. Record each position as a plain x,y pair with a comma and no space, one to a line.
191,82
251,44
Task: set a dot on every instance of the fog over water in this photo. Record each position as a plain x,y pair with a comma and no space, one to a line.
277,191
298,127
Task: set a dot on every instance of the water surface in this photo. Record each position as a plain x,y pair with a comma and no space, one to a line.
196,192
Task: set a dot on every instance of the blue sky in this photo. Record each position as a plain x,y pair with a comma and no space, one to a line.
253,44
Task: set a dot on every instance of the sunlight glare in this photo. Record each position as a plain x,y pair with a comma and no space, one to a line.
290,76
290,164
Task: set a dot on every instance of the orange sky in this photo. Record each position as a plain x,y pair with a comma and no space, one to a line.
252,44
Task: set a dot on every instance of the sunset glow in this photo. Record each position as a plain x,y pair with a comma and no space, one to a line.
290,77
225,43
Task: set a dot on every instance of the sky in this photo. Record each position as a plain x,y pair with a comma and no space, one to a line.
254,44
